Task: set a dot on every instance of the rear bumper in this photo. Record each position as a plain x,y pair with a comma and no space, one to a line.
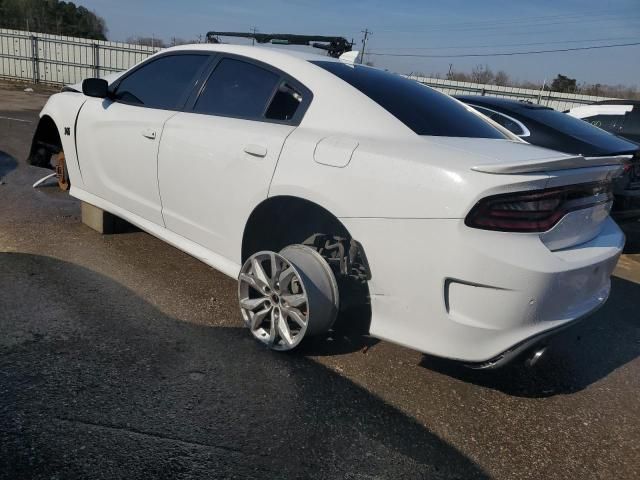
472,295
537,342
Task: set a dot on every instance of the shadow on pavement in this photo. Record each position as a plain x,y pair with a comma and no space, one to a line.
96,382
349,334
576,357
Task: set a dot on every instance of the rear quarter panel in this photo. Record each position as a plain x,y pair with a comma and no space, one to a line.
408,178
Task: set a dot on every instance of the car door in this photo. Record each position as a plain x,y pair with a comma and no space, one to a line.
118,137
216,161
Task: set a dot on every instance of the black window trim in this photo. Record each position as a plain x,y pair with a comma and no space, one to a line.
198,78
307,95
523,127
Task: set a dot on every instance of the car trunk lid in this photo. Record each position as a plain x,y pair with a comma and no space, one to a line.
502,158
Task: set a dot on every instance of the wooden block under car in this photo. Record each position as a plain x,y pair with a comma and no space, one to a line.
103,222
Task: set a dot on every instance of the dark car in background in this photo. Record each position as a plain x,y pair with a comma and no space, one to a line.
621,117
546,127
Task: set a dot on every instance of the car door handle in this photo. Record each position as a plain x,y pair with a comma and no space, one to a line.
255,150
149,133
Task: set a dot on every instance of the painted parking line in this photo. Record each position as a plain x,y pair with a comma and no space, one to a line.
15,119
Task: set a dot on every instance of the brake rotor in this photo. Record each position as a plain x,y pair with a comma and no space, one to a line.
61,171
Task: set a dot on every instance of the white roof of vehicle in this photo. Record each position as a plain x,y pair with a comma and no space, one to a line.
256,51
264,53
599,109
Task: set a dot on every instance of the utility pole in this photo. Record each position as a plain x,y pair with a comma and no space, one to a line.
366,33
254,30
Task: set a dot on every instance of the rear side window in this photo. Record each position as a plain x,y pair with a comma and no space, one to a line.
237,89
163,83
285,103
422,109
506,122
610,123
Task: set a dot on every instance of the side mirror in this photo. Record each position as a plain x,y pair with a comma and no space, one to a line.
95,87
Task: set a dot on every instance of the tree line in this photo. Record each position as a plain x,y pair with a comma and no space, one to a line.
561,83
53,17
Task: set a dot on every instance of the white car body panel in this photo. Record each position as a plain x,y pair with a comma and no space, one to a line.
437,285
123,141
63,109
476,293
592,110
208,194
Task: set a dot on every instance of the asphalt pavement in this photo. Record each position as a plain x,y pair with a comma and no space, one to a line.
122,357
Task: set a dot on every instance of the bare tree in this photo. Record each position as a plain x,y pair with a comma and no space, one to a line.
147,41
181,41
501,79
482,74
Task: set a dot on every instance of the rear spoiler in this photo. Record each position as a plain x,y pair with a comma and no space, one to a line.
550,164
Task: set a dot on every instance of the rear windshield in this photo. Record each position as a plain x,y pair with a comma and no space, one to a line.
576,128
422,109
561,121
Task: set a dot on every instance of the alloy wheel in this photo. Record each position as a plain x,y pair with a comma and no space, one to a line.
273,300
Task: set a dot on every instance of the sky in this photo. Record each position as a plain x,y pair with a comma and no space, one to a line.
442,29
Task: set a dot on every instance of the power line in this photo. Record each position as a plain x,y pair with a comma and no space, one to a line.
512,44
506,26
503,54
520,19
517,22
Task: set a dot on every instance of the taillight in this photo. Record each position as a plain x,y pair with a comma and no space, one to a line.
536,210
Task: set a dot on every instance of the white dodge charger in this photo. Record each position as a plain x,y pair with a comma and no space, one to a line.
322,185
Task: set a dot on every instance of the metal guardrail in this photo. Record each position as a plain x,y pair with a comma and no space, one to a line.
59,60
557,100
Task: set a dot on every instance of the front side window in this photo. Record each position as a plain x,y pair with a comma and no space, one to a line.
506,122
162,83
422,109
237,89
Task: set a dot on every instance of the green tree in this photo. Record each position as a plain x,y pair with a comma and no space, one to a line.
564,84
52,16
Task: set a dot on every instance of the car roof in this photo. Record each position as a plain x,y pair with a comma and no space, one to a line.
617,102
257,52
559,133
506,103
